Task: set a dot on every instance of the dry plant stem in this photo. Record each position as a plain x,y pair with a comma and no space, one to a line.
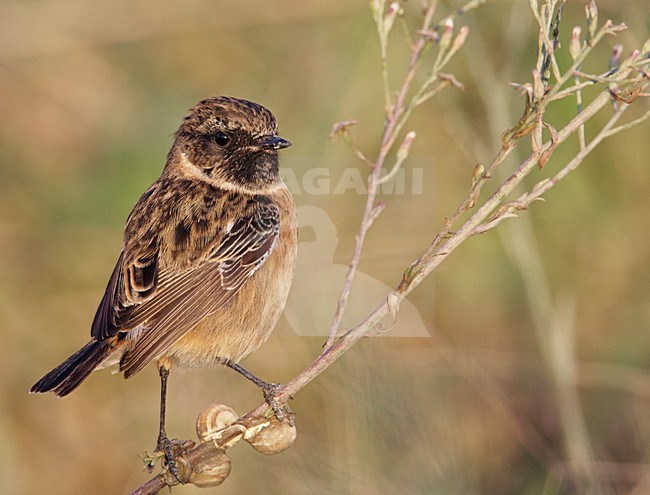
204,450
436,253
395,112
554,319
577,160
154,485
398,113
581,131
520,244
423,269
542,187
447,240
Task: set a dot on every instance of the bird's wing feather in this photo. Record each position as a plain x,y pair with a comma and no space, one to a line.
131,284
168,303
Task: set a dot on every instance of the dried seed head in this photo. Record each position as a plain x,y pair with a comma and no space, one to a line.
591,12
574,47
615,58
460,39
394,10
447,33
271,437
405,147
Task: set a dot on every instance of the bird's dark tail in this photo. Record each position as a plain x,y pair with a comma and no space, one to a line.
68,375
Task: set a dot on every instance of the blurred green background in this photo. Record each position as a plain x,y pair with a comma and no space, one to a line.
90,93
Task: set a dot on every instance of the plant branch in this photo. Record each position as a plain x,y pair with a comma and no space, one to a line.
624,84
394,112
418,272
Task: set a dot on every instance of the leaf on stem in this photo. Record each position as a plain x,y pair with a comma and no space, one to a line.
526,89
524,126
478,176
610,28
625,96
340,129
451,79
544,157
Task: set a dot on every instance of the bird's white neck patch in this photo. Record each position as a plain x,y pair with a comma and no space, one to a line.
191,169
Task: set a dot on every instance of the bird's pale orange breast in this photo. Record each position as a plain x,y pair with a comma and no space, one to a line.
245,322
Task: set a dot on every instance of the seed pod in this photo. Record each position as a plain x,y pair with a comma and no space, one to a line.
214,418
271,437
210,471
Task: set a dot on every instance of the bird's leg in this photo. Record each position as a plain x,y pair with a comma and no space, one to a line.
170,448
268,389
162,435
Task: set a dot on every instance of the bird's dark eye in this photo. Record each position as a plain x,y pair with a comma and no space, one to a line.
221,138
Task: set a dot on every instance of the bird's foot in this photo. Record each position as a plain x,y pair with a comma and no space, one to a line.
280,410
167,451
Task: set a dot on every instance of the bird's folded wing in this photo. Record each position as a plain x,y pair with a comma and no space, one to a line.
165,303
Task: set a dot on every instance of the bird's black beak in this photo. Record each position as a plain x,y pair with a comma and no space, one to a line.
273,143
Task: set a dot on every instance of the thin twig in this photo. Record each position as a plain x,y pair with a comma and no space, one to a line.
387,141
526,199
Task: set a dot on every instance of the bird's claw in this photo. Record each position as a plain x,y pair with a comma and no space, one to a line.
280,410
168,451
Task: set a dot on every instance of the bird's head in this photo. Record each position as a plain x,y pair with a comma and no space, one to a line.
232,140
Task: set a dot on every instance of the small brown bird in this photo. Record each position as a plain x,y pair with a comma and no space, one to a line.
207,259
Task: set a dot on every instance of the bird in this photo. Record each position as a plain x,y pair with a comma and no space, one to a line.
207,259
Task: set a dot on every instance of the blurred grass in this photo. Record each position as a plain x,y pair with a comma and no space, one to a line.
90,94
